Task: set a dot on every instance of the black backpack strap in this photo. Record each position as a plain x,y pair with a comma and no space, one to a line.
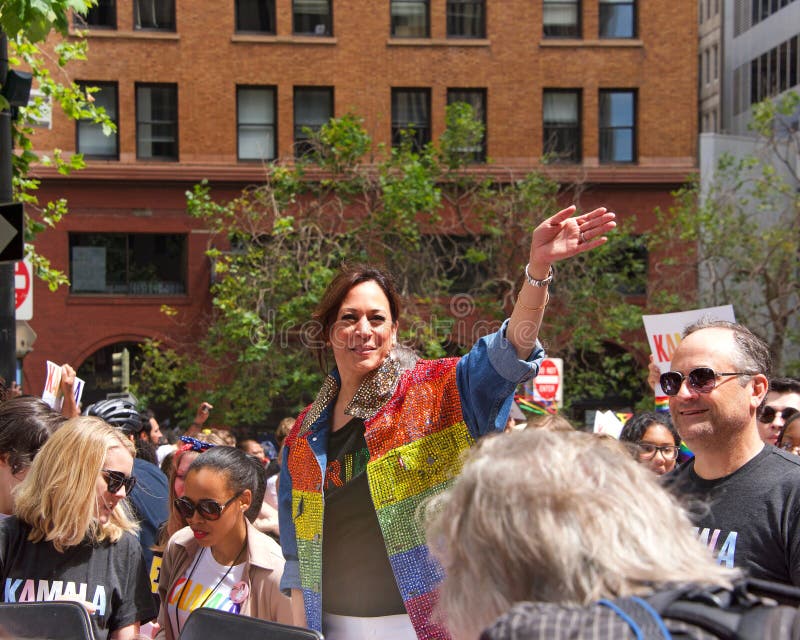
641,617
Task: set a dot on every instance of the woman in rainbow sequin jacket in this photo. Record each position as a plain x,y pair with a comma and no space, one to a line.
385,433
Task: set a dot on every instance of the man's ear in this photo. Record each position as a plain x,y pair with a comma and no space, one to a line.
760,388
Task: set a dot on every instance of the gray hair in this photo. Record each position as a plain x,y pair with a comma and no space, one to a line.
751,353
556,517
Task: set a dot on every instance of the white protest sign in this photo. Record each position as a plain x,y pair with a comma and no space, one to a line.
52,387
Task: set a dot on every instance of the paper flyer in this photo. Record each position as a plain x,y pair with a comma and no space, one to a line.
52,387
664,333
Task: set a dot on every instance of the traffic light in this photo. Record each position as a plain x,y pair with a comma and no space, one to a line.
121,369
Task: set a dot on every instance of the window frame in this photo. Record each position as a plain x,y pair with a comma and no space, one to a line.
171,28
615,3
298,139
462,36
395,128
140,122
477,157
561,157
270,6
102,86
81,22
274,124
329,25
127,239
393,26
577,31
634,133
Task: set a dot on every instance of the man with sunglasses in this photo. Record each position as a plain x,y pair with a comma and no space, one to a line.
751,491
782,402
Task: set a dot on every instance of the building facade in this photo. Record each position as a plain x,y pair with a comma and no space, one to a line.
605,89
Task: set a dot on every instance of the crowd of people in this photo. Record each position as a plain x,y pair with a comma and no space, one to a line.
411,499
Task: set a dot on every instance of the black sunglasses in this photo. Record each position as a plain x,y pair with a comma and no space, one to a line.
769,413
115,480
702,380
207,508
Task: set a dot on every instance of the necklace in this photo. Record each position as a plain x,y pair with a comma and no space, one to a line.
210,593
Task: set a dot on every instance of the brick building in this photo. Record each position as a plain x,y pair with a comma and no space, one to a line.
606,88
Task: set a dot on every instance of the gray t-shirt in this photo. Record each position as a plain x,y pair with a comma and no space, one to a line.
751,518
111,576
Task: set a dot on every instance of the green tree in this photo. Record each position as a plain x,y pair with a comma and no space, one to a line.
27,25
742,232
455,244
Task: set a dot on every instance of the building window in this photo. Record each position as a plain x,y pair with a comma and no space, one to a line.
158,15
562,18
410,19
466,18
312,17
411,109
157,122
91,141
255,122
255,16
618,126
476,98
617,19
561,125
103,15
313,107
128,263
715,61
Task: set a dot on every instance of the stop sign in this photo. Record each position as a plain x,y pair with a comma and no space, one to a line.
547,381
23,295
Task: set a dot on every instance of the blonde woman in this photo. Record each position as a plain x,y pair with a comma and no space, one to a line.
71,536
550,523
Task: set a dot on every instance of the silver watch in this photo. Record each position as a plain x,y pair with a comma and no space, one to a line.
539,283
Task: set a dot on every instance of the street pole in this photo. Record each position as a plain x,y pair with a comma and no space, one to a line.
8,327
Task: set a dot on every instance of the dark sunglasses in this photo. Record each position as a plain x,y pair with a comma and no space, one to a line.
115,480
648,450
769,413
702,380
207,508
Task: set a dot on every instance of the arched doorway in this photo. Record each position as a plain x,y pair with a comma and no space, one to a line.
97,371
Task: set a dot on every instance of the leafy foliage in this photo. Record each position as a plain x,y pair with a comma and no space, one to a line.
455,244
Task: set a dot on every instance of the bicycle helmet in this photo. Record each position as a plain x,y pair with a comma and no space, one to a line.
118,412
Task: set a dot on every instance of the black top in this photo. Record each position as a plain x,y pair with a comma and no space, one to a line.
751,518
357,578
111,576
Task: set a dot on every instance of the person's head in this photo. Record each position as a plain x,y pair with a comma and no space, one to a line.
357,319
782,402
151,429
655,438
76,483
533,519
122,414
717,382
253,448
549,421
789,438
219,490
25,425
283,429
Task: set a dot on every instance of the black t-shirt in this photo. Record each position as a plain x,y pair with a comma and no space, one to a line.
357,578
111,576
751,518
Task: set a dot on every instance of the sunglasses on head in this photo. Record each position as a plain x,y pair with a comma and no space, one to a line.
115,480
207,508
702,380
769,413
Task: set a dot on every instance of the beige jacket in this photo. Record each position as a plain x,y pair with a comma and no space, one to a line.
263,569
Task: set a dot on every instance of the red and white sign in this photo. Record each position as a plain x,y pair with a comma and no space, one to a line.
23,290
548,384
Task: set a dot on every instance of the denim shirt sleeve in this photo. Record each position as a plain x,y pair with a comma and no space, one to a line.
487,377
291,571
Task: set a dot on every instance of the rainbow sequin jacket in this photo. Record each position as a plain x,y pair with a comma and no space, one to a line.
418,421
